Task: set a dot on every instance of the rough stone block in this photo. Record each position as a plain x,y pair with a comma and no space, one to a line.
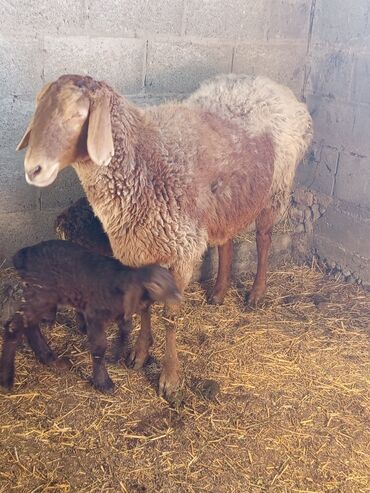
335,122
21,67
288,19
334,253
236,19
330,74
348,226
361,80
179,67
128,18
118,61
281,62
341,21
16,195
42,17
63,192
14,117
24,229
353,179
325,171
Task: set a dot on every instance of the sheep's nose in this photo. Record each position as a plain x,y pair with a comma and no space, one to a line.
34,172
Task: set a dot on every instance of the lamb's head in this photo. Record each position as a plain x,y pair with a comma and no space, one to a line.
72,122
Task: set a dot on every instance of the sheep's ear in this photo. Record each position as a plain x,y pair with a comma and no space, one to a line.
99,135
26,137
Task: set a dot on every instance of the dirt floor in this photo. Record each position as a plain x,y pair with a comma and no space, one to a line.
292,413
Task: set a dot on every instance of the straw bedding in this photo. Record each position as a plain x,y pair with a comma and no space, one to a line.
276,400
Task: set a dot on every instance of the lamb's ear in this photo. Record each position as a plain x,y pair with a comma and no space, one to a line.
26,137
99,135
161,286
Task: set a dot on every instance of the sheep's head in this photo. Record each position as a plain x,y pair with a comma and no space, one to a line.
71,122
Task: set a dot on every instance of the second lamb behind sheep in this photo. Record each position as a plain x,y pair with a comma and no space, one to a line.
101,288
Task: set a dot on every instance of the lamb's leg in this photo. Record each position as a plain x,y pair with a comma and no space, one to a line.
144,341
80,322
225,256
170,379
12,332
120,346
264,226
98,345
41,348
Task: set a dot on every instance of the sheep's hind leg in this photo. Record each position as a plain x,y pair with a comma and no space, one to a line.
13,330
225,256
140,353
264,225
98,344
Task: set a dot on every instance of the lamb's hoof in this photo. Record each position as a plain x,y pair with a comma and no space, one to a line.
136,359
62,363
6,381
106,387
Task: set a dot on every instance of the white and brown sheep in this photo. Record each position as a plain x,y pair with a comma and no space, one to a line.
169,180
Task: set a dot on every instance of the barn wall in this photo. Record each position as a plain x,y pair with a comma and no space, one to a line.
162,49
337,89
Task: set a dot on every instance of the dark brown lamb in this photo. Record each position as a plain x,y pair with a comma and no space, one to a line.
59,272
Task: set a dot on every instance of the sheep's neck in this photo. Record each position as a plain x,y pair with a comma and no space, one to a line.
115,190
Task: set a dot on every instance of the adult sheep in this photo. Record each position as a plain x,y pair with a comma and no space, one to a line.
169,180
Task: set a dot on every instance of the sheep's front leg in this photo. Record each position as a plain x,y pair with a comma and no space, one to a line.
264,226
225,256
140,353
12,332
98,346
170,378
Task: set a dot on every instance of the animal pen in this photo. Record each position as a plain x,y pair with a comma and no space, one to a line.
273,397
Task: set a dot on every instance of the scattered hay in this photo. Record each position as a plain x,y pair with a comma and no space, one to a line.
292,414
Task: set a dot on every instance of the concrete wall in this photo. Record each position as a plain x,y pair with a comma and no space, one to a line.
337,89
164,48
147,50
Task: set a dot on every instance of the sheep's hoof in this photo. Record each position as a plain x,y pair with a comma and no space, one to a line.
107,387
170,381
216,299
254,298
137,359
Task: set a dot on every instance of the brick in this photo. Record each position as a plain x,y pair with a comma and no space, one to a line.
288,19
353,179
21,67
341,21
179,67
118,61
127,18
348,226
41,17
63,192
236,19
330,74
361,80
281,62
24,229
